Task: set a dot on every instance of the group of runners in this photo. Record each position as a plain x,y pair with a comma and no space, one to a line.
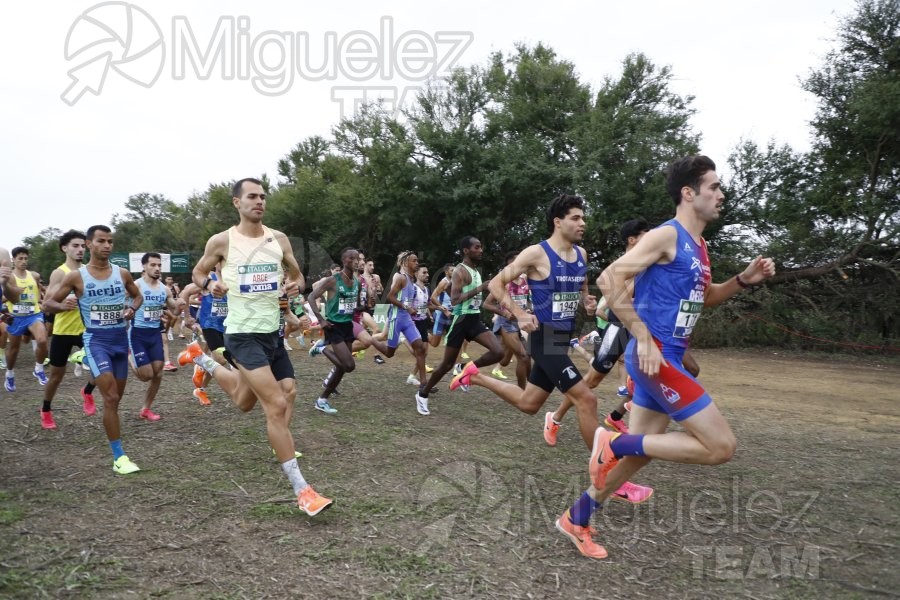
246,288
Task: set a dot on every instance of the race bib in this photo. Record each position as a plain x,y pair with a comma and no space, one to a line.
346,306
106,314
152,313
521,300
257,278
475,303
219,309
564,306
22,310
688,313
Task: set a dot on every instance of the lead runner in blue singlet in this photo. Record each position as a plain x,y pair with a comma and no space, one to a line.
672,283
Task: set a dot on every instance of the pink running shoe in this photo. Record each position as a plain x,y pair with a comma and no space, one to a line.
551,429
47,421
619,425
88,403
149,415
633,493
464,376
602,457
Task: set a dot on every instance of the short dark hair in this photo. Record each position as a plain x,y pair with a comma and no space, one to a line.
511,255
633,228
19,250
238,186
147,256
561,206
687,171
70,235
94,229
346,250
467,242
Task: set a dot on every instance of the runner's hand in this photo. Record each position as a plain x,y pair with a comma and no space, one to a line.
527,323
291,288
759,269
217,289
590,304
650,358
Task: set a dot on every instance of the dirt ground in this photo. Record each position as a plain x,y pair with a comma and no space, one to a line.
458,504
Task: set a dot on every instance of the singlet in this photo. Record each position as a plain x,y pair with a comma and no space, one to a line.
444,298
151,309
103,300
518,292
421,303
342,304
472,306
253,275
213,311
67,322
555,299
407,297
29,298
668,298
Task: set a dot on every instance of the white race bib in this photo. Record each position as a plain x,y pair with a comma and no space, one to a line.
688,314
258,278
564,306
106,314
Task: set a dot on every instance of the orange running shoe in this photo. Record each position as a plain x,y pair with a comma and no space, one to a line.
311,502
581,537
550,429
464,376
189,354
633,493
200,394
199,374
602,457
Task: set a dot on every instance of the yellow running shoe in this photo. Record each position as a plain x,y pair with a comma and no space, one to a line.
124,466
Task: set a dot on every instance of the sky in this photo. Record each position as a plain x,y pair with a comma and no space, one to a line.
101,101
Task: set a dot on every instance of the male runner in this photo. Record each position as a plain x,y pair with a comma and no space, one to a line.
254,259
211,318
28,319
672,283
100,288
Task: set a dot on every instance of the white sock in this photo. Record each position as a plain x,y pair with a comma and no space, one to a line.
34,346
292,470
9,373
206,363
38,367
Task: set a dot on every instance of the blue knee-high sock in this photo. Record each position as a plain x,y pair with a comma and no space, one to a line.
116,446
581,511
627,444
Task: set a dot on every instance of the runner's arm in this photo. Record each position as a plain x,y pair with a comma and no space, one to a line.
213,254
54,301
132,289
323,285
293,280
758,270
498,286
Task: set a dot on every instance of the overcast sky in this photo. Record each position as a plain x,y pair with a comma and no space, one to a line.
71,158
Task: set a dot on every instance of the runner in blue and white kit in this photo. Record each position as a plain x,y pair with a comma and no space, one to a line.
101,289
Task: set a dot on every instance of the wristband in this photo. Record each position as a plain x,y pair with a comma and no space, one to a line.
206,283
741,282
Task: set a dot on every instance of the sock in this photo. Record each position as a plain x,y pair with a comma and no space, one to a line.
206,363
38,368
422,393
555,422
46,406
292,470
89,388
581,511
627,445
615,415
117,451
10,373
34,346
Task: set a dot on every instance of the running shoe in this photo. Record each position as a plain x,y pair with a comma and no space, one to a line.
199,375
40,376
602,457
457,369
3,362
379,360
149,415
77,370
619,425
124,466
47,421
411,380
311,502
422,405
581,537
10,383
573,342
317,348
200,394
428,369
551,429
628,405
297,453
322,404
622,392
287,346
464,356
77,357
88,403
498,374
464,376
188,355
633,493
169,366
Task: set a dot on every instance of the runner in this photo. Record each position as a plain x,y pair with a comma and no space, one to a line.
465,296
507,326
441,307
672,283
144,339
254,258
101,288
68,330
211,318
28,319
421,319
